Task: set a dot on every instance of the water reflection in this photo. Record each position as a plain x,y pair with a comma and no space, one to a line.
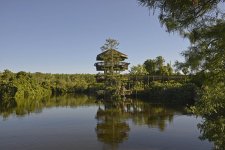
112,119
112,122
111,127
213,129
7,107
23,107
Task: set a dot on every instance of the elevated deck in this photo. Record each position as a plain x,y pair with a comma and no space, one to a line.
120,66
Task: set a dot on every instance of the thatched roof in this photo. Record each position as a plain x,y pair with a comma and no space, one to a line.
109,52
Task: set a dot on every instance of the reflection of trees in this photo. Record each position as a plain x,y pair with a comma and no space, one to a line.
112,128
214,131
23,107
7,107
153,115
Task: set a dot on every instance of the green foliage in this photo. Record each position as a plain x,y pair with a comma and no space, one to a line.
34,85
113,87
157,66
150,66
112,64
7,91
64,83
184,14
203,23
212,108
138,86
6,76
212,103
207,52
179,66
28,87
200,78
171,92
213,130
138,70
178,92
110,44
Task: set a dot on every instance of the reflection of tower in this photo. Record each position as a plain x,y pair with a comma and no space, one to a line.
111,128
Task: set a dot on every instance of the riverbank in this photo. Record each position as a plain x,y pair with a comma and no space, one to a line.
34,85
169,92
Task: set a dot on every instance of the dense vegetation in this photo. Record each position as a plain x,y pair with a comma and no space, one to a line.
153,67
160,90
203,23
34,85
170,92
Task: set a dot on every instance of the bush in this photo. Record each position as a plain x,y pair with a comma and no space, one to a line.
171,92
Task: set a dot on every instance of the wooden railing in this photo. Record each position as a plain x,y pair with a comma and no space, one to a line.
156,77
147,78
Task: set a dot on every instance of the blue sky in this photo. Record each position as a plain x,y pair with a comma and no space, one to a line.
64,36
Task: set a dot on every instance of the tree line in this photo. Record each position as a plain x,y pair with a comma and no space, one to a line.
33,85
153,67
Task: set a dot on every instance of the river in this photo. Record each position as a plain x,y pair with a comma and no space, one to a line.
81,122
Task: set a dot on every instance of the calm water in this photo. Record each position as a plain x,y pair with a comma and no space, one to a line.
72,123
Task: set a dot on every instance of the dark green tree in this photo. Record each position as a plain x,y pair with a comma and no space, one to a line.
157,67
185,15
203,23
181,67
160,63
150,66
6,76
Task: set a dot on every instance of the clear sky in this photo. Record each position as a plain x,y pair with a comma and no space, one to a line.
64,36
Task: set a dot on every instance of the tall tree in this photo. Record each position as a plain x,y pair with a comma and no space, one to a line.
160,65
110,44
150,66
183,15
203,23
157,67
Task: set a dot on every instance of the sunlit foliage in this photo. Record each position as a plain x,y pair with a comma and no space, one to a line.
33,85
203,23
